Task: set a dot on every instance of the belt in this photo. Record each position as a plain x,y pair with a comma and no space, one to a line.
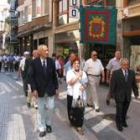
94,75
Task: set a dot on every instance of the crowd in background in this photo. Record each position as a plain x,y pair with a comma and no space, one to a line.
9,62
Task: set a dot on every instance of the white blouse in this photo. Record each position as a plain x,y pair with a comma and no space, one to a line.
71,89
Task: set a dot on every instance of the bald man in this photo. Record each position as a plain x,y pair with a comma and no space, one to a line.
44,85
95,71
121,86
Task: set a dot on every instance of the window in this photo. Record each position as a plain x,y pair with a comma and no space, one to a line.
38,8
91,1
133,1
29,13
111,2
63,6
62,12
21,18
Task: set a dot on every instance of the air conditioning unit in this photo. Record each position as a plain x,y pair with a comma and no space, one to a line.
125,12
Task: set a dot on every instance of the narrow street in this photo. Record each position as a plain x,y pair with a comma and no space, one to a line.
18,122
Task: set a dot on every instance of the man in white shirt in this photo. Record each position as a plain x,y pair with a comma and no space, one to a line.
1,58
94,69
21,70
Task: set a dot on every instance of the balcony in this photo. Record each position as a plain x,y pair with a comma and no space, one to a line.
132,11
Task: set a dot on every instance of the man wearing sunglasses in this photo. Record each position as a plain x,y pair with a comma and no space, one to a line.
95,71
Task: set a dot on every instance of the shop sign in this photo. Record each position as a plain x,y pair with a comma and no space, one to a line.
66,51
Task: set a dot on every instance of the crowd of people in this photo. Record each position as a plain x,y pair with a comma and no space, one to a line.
9,62
42,75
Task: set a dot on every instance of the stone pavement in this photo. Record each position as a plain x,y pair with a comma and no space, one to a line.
18,122
99,126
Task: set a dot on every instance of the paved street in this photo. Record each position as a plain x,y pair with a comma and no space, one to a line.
17,122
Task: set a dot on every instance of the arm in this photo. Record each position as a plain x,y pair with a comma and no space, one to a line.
54,75
135,87
103,75
107,75
113,84
75,79
31,74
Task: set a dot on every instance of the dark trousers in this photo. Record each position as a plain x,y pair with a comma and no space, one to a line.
25,84
121,111
0,66
75,115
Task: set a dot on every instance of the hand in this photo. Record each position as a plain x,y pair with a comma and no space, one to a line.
103,79
136,97
35,93
80,73
82,88
56,94
107,81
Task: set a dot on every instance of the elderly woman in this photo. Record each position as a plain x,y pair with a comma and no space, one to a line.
76,80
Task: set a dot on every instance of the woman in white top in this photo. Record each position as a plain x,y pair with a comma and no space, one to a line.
76,80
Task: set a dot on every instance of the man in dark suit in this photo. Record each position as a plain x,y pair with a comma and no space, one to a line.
121,86
43,80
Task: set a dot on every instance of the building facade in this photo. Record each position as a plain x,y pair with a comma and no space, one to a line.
67,34
35,24
131,31
4,28
56,23
13,44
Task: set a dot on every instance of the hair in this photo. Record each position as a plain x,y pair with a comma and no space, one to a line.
54,55
76,59
124,60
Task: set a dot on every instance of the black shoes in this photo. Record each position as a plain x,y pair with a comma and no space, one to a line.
124,124
107,102
97,110
88,105
119,127
48,128
42,134
29,105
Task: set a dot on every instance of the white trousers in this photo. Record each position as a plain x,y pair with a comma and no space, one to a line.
92,96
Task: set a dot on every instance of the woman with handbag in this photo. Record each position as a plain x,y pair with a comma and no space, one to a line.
76,95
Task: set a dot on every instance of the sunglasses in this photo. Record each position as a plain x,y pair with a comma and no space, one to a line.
95,55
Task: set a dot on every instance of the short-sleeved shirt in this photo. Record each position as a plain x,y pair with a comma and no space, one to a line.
70,75
93,67
113,64
22,64
57,65
67,67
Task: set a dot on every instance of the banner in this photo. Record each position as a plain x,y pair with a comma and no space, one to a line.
98,25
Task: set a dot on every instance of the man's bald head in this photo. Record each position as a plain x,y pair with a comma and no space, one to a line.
124,63
35,53
43,51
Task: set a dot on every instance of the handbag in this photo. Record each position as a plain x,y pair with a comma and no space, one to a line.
78,102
